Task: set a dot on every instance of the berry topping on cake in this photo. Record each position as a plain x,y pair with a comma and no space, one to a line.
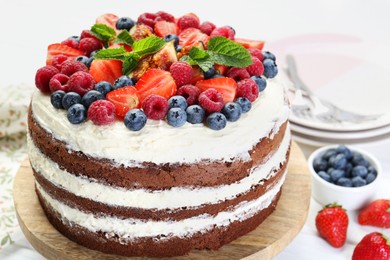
176,117
43,76
123,81
81,82
225,31
181,72
90,97
207,27
190,93
103,87
124,23
255,69
225,86
250,43
245,104
156,81
216,121
71,66
147,19
237,73
107,19
270,68
247,88
71,43
85,60
268,55
195,114
190,20
164,28
261,82
77,114
155,107
123,99
190,36
101,112
256,53
58,60
177,101
59,82
105,70
56,98
211,100
88,45
70,99
135,119
232,111
172,37
58,48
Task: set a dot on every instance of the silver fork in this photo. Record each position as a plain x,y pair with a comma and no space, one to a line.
319,108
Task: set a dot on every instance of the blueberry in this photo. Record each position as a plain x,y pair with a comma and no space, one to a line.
172,37
339,161
348,169
345,182
245,104
269,55
123,81
337,174
70,99
210,73
77,114
320,164
372,170
216,121
344,150
56,98
90,97
75,38
232,111
329,153
177,101
84,59
103,87
270,68
176,117
324,176
329,170
261,82
358,181
93,54
370,178
135,119
359,170
358,159
179,48
195,114
125,23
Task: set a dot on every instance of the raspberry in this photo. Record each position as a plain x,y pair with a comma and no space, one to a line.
87,34
181,72
71,43
81,82
207,27
225,31
255,69
69,67
58,60
166,16
155,107
188,21
247,88
148,19
89,45
211,100
59,82
101,112
238,74
190,93
257,53
43,76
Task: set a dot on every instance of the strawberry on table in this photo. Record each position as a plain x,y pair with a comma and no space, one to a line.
332,224
123,99
373,246
250,43
377,214
156,81
105,70
226,86
58,48
163,28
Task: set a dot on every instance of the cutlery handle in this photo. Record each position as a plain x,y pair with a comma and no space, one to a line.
293,73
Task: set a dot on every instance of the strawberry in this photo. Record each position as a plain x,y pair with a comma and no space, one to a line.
220,69
373,246
108,19
123,99
332,224
250,43
58,48
197,75
163,28
156,81
105,70
226,86
191,36
376,214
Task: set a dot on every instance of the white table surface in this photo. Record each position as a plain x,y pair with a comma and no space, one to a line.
27,27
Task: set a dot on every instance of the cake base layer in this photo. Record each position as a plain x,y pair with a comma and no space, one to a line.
173,246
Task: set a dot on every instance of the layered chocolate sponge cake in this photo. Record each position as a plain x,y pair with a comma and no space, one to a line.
158,136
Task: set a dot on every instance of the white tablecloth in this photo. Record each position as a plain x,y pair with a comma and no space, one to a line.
29,26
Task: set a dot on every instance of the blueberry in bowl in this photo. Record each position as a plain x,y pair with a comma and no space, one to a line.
345,175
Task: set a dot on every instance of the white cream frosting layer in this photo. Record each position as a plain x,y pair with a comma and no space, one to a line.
129,229
160,143
175,197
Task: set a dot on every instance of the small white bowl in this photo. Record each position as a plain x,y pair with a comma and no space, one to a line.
351,198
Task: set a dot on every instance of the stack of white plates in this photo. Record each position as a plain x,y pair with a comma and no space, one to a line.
348,71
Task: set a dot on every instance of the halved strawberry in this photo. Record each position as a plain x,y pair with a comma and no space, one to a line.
108,70
162,28
192,35
58,48
123,99
197,74
118,45
226,86
220,69
250,43
108,19
156,81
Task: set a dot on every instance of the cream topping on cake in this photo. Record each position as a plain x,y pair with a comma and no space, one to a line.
175,197
187,144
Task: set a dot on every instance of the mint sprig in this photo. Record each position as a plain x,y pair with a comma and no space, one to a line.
111,54
148,45
104,33
197,56
124,37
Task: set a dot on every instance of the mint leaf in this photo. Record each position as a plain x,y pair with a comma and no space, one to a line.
229,53
103,32
187,59
111,54
130,63
149,45
202,58
125,38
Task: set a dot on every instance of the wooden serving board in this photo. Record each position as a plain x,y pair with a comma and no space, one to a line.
266,241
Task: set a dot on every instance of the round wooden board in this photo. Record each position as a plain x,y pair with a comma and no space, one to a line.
266,241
